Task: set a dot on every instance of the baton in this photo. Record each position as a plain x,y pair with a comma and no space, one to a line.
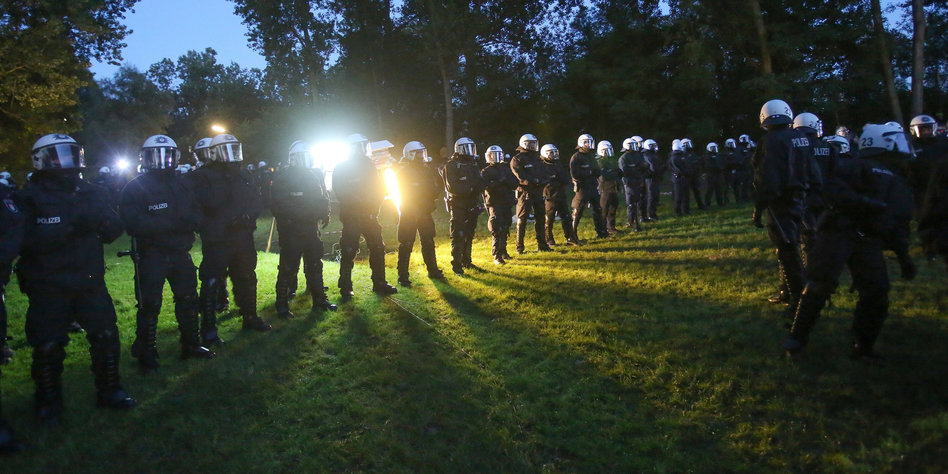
270,237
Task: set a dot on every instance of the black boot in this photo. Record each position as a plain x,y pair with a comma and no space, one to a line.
208,308
8,443
255,323
521,233
282,304
383,288
404,257
47,376
457,255
191,347
431,262
145,347
321,302
222,299
105,366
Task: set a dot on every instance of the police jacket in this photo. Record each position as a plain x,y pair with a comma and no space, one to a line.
634,168
298,198
584,170
159,210
501,183
677,163
929,152
558,187
229,199
609,174
782,167
462,178
358,186
419,185
11,232
869,195
714,163
66,221
933,212
656,164
530,171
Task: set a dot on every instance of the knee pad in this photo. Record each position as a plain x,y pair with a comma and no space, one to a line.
106,340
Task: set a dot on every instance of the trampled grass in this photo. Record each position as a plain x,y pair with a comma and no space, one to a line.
643,352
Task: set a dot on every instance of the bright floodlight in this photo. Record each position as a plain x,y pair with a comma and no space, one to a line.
121,164
391,188
218,128
327,155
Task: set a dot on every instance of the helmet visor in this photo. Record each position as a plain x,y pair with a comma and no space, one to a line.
530,145
467,149
419,155
495,156
586,143
229,153
160,158
63,155
302,159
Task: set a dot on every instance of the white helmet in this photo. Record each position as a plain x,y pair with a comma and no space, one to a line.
775,112
262,164
529,142
880,138
712,147
585,141
159,152
921,122
841,142
626,144
744,138
549,152
57,151
202,150
604,148
676,145
730,143
359,144
650,145
637,139
631,144
300,155
415,151
495,154
5,175
225,148
105,170
465,146
686,144
811,121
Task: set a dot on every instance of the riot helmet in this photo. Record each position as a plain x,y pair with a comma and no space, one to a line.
549,153
225,148
529,142
495,154
159,152
415,151
57,151
465,146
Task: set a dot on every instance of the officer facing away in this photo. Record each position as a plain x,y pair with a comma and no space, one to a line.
230,202
300,205
62,272
161,215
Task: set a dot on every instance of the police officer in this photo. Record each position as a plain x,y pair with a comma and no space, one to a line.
360,191
678,163
695,168
463,184
823,164
840,146
62,272
931,194
161,215
715,168
634,168
781,178
11,237
609,179
731,163
555,195
300,205
500,184
419,185
230,203
533,176
929,149
653,178
585,173
870,210
202,156
744,176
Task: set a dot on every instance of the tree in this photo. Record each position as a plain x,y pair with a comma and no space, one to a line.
918,56
885,59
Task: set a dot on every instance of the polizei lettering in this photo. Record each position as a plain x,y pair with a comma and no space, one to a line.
48,220
801,142
156,207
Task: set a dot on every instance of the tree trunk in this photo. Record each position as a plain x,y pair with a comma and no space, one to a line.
766,64
886,60
918,56
448,103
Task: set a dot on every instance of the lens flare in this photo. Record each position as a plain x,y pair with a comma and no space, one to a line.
391,187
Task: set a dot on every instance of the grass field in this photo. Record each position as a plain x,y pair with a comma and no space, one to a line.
643,352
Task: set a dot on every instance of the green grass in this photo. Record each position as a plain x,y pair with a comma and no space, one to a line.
643,352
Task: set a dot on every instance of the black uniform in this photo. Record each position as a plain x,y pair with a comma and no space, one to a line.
299,202
555,193
824,163
585,173
743,172
11,236
230,202
464,186
653,182
533,176
160,213
715,169
62,272
499,197
682,168
781,178
929,153
870,209
609,178
360,190
634,170
420,186
932,158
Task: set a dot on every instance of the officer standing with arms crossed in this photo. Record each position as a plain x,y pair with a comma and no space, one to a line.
585,173
300,204
230,202
360,190
533,177
62,272
500,184
464,185
420,186
161,215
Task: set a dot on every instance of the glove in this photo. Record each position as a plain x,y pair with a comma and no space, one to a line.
907,267
756,218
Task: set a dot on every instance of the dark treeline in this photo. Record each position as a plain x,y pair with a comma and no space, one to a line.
492,70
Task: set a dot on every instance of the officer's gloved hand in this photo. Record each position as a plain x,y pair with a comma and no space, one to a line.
907,267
